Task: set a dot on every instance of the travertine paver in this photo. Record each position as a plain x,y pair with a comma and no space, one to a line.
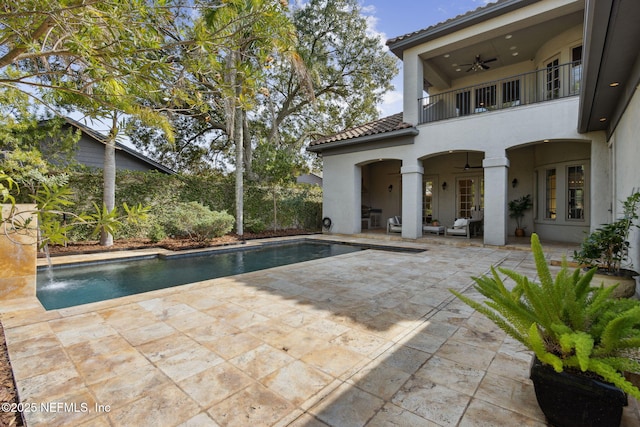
371,338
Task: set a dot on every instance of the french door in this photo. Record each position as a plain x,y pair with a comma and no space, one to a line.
552,79
470,195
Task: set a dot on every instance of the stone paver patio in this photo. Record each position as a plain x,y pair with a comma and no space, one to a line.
370,338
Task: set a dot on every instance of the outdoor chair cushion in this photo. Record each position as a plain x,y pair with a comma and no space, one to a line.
460,228
394,224
460,223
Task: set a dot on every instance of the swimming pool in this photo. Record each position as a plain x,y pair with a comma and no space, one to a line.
62,287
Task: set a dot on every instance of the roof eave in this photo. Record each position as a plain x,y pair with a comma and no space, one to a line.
412,131
594,39
145,159
611,45
457,24
91,133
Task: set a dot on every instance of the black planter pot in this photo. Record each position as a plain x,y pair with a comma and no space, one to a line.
571,400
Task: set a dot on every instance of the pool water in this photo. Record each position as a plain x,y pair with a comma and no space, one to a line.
62,287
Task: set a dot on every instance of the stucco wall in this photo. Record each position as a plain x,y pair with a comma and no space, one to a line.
625,146
347,169
495,135
494,132
560,46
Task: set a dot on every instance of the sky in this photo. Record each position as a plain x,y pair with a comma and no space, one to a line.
393,18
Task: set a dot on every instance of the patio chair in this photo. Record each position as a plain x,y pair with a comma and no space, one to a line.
476,223
394,225
460,228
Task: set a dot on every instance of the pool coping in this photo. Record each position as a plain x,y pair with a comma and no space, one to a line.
100,257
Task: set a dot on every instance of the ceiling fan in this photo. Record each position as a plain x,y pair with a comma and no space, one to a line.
479,64
467,166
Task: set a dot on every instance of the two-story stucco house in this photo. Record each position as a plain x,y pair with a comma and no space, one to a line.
517,97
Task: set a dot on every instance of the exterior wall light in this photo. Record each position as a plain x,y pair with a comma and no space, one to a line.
444,186
514,183
390,187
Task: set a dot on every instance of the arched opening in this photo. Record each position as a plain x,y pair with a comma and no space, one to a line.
557,174
380,193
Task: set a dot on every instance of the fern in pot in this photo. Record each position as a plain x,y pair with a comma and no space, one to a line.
582,339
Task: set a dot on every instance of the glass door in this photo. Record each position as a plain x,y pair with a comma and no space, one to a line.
552,80
470,195
429,199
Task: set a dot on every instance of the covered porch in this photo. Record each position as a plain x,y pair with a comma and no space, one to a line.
442,188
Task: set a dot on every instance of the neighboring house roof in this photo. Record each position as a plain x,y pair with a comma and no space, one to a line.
97,136
310,178
384,128
398,44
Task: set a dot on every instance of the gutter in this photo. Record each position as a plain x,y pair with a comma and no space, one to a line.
364,139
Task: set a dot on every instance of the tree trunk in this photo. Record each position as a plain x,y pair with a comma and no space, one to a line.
275,208
248,148
109,179
238,127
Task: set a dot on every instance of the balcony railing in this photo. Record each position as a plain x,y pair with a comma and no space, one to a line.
553,82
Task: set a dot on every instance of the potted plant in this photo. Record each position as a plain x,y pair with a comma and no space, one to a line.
435,222
517,208
581,339
607,249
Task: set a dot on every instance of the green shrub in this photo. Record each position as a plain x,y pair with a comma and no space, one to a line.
156,233
80,233
133,230
197,222
298,206
254,225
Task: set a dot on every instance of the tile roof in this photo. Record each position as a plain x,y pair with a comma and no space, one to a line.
380,126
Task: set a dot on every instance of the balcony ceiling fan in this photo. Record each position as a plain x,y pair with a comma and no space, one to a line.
479,64
467,166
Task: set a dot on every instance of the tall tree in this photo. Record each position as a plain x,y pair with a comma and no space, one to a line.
350,68
253,31
199,146
102,58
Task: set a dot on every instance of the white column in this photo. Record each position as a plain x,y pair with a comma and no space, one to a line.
412,201
496,173
413,75
356,200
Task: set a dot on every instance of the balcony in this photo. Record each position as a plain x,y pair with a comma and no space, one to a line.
553,82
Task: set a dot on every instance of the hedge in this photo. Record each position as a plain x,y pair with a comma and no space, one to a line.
297,206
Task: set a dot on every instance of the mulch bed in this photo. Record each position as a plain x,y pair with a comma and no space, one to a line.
170,244
8,393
